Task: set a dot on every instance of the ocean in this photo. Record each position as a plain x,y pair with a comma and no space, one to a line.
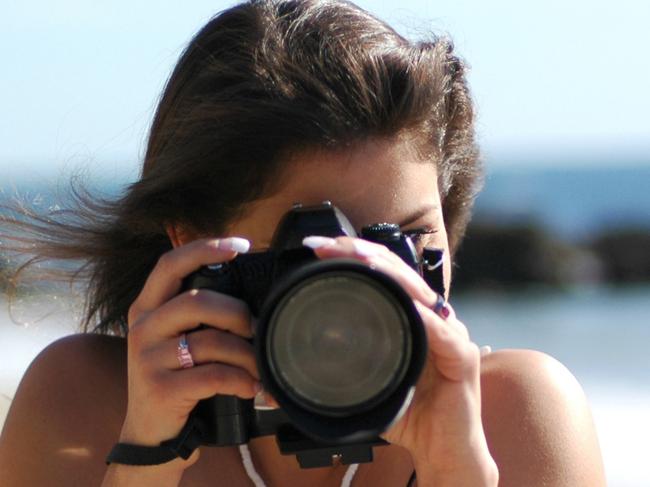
572,201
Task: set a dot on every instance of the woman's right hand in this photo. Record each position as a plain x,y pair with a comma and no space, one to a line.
161,393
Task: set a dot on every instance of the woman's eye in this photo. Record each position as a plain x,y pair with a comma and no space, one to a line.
417,234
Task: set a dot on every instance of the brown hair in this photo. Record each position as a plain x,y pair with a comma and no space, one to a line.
260,81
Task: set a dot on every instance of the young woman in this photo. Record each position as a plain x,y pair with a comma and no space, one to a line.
272,103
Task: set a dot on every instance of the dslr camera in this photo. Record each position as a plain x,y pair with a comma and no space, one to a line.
338,344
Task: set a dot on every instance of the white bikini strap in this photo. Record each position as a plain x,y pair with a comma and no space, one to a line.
257,480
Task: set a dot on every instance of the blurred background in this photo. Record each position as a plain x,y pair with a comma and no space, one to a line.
557,257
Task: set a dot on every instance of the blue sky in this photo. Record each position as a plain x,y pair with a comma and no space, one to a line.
553,80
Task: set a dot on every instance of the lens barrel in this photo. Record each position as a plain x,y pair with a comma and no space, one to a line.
342,344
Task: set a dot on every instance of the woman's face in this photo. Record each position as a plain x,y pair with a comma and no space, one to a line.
377,181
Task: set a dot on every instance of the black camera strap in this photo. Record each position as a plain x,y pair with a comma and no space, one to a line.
182,446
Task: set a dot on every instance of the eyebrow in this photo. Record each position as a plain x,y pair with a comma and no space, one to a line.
418,214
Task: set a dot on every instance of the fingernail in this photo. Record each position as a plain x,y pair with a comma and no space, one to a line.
258,389
445,311
441,308
237,244
364,248
316,241
260,402
485,350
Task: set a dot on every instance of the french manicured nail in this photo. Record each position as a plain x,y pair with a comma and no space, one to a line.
261,402
485,350
316,241
237,244
364,248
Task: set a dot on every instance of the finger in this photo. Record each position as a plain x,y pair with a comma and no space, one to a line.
198,306
203,381
444,310
456,357
443,340
206,346
378,257
166,278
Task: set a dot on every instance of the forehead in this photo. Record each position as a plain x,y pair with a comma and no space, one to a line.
378,180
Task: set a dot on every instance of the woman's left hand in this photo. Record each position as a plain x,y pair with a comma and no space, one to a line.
442,427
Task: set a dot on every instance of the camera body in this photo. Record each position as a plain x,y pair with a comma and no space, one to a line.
338,344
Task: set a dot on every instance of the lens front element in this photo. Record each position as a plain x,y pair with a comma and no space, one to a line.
339,342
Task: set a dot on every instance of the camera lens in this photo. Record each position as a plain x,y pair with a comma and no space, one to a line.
339,342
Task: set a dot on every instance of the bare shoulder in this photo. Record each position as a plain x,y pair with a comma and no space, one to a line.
537,422
66,414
